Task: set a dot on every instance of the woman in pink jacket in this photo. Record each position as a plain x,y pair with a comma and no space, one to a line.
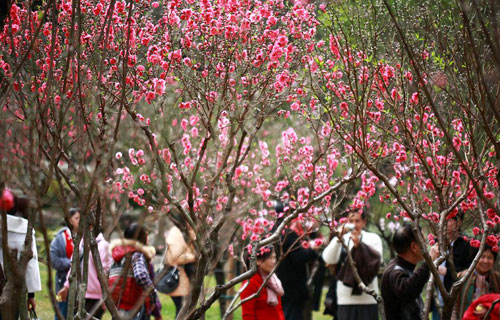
94,291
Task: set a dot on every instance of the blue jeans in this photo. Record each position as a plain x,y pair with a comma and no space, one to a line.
63,305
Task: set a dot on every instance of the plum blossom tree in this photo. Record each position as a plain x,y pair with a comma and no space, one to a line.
423,122
183,109
205,112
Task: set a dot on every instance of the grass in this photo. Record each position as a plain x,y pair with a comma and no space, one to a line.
45,310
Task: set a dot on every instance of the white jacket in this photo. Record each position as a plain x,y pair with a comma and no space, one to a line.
17,228
331,255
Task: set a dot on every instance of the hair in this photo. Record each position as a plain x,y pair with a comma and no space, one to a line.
73,211
21,207
458,216
262,254
490,248
403,238
361,212
279,206
135,231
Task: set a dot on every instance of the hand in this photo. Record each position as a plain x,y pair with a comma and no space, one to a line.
434,253
480,310
355,236
341,230
63,293
442,270
31,304
313,245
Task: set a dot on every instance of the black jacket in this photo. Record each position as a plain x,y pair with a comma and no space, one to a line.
462,259
293,269
402,288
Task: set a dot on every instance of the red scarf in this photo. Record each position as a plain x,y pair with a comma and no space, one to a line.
69,243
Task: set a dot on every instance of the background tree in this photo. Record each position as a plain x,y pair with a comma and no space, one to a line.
203,89
414,115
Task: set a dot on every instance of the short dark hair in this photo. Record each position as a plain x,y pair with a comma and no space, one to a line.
458,216
403,238
262,254
135,231
490,248
73,211
361,212
21,207
279,207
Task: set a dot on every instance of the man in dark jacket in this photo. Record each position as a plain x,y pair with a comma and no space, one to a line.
401,285
460,248
293,273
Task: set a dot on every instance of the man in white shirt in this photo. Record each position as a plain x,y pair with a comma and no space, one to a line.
353,304
17,228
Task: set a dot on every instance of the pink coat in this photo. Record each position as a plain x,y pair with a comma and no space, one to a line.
94,290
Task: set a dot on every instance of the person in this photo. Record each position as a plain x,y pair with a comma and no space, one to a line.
293,270
331,295
133,253
479,307
61,250
483,281
461,249
461,252
401,284
93,295
366,250
17,228
180,254
266,305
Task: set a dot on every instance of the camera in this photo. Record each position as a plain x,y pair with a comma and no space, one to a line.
349,226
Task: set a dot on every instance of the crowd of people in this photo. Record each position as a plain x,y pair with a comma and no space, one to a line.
275,291
128,262
401,284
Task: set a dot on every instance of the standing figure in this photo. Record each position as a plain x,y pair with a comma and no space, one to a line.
266,305
93,295
401,284
293,273
180,253
135,255
483,281
17,229
61,250
460,248
366,250
462,254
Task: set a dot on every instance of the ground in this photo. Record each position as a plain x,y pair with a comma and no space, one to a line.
45,311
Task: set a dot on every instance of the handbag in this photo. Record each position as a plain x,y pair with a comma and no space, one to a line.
169,282
141,314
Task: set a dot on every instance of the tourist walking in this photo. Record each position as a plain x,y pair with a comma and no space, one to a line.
61,251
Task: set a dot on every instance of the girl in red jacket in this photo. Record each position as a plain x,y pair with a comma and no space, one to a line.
266,305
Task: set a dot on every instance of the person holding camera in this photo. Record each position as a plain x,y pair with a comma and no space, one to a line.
366,251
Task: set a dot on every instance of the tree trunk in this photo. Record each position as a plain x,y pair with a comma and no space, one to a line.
231,275
447,309
220,279
188,309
